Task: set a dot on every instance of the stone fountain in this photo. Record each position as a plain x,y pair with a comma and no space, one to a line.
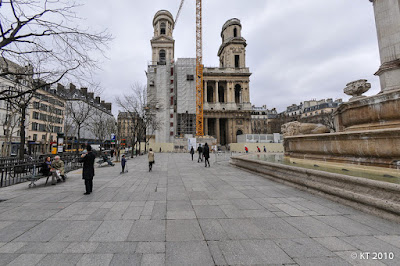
368,128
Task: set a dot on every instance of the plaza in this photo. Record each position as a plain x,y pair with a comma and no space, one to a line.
185,214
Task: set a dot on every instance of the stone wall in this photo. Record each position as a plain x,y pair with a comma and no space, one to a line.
379,147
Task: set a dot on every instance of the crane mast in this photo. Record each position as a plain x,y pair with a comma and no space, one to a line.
199,71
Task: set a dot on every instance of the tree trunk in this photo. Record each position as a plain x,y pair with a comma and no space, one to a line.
22,133
79,140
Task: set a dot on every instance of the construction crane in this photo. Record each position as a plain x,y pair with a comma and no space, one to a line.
199,71
179,12
199,66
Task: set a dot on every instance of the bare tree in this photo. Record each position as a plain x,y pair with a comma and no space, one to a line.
103,126
78,113
10,123
46,37
141,112
21,104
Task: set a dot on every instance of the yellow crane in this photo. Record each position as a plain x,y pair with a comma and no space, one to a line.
199,67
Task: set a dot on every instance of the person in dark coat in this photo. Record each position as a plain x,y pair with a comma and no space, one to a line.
200,150
46,166
123,163
88,169
206,154
192,152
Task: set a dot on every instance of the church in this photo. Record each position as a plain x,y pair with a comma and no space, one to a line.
171,86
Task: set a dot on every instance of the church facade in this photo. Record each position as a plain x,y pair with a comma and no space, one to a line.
171,85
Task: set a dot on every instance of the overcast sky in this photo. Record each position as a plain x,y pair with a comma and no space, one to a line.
297,49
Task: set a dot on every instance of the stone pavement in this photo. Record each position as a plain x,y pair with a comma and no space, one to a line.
185,214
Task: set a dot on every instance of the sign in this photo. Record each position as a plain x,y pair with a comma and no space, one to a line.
60,143
113,138
192,143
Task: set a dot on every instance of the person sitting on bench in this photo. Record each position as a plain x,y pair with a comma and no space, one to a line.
106,159
46,166
57,170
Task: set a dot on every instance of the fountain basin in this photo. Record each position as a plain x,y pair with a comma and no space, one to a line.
380,147
376,197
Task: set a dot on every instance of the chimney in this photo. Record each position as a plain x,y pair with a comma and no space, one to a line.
60,88
102,103
72,87
84,91
97,100
108,106
91,95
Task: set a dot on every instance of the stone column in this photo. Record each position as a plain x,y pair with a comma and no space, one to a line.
387,19
228,91
217,130
205,91
229,130
216,91
205,126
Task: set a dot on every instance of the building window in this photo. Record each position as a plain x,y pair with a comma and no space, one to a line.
189,77
235,32
172,90
162,56
172,81
172,100
237,61
238,92
171,115
34,127
35,115
172,71
162,28
171,133
34,137
43,137
171,124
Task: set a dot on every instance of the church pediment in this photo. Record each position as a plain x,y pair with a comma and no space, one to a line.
162,39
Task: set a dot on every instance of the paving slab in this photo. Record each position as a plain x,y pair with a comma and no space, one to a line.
184,214
188,253
184,230
142,230
27,259
112,231
60,260
150,247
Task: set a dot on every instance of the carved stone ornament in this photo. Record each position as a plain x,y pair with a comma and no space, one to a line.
357,88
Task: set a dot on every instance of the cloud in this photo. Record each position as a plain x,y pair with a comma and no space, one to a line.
297,50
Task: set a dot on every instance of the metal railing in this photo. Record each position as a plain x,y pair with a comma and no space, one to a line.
14,171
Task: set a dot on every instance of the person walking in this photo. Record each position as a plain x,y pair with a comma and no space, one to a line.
258,149
151,159
192,152
200,151
57,170
88,169
265,149
123,163
246,149
206,153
